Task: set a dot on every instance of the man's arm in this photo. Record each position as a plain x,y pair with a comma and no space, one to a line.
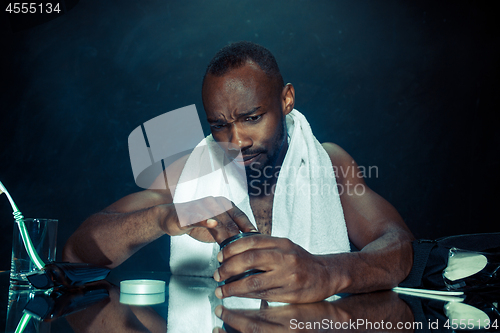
375,227
111,236
294,275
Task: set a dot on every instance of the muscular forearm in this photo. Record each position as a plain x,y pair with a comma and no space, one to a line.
109,238
381,264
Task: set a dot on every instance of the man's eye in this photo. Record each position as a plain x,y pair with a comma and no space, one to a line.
218,126
254,118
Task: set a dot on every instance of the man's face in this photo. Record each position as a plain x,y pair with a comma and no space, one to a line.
244,109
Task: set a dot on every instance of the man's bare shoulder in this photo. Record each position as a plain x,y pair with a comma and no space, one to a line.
344,165
338,156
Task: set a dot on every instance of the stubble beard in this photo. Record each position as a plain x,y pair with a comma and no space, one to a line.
255,171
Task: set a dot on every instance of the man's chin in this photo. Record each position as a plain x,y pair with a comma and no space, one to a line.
252,173
260,174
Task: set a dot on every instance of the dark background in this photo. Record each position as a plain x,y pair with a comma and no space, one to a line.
410,87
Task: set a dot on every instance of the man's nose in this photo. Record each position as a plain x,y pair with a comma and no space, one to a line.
239,138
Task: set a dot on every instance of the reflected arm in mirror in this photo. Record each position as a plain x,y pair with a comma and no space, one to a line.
348,313
112,316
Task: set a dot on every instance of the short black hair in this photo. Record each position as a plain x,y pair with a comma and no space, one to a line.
236,55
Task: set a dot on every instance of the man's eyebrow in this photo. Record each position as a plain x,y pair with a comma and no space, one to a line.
216,121
248,113
220,121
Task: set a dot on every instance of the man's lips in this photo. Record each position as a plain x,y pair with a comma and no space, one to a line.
247,159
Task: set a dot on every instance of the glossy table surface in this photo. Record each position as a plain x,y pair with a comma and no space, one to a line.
189,303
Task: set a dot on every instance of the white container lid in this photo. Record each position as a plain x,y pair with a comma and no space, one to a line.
145,299
142,287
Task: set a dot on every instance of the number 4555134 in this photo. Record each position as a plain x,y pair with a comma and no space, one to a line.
32,8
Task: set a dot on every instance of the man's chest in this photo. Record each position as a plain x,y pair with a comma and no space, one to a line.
262,209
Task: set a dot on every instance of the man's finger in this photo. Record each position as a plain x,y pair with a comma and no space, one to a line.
263,286
251,243
230,222
262,259
218,330
244,323
241,220
208,223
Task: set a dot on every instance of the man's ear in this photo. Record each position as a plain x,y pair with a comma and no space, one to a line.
287,98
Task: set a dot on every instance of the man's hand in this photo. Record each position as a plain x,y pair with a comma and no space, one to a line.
291,274
207,220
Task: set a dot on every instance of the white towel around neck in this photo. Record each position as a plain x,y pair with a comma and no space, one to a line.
306,207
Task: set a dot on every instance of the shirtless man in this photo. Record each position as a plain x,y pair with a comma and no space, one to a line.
246,104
